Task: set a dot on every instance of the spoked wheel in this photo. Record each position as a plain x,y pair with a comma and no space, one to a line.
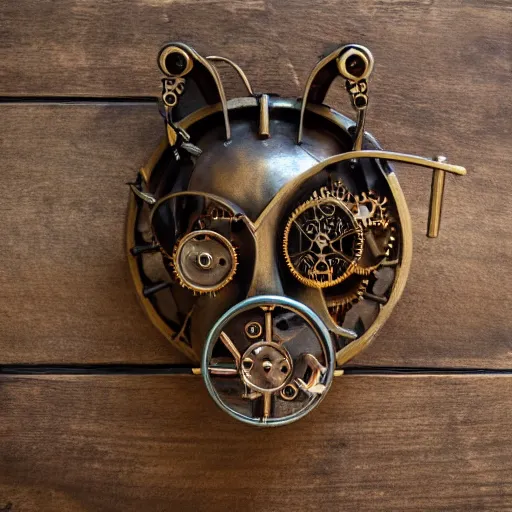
268,361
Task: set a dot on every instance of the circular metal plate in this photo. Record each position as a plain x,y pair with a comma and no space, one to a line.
295,356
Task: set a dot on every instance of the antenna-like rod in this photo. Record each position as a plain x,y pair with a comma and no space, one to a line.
179,62
355,64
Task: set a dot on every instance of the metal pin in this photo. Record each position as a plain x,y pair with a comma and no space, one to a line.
268,325
264,131
359,133
267,406
376,298
231,347
141,249
150,290
222,371
436,199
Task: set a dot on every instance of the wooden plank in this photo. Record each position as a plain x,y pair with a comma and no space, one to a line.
159,443
67,295
67,292
109,48
441,79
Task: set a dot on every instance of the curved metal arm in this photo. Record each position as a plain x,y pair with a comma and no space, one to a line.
204,74
237,68
354,63
287,191
321,65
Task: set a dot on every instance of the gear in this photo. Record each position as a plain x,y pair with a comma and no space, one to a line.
379,231
204,261
370,210
322,241
378,244
338,305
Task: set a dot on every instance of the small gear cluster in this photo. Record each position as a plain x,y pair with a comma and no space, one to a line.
322,241
336,240
204,261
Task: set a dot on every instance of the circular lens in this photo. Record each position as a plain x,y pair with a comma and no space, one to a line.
175,63
355,65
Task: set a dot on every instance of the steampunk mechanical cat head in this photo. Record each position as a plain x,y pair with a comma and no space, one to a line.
269,237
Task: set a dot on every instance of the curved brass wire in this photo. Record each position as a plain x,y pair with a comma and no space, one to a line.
234,209
216,78
237,68
284,193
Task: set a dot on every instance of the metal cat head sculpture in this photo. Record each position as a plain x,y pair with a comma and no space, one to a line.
268,237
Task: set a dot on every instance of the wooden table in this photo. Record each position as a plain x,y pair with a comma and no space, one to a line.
90,416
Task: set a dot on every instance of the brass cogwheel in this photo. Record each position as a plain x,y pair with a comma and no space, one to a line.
370,210
322,241
204,261
339,305
378,231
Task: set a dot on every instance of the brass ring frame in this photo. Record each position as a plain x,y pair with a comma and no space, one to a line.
354,50
347,353
174,49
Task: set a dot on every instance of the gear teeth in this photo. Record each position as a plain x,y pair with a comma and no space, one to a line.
377,218
189,286
339,307
351,297
318,195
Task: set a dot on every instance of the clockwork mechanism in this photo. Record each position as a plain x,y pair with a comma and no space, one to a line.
268,237
204,261
322,241
268,360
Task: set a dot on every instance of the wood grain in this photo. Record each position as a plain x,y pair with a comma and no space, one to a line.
159,443
73,443
108,48
440,85
67,294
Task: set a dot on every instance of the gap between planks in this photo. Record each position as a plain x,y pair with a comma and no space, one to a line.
180,369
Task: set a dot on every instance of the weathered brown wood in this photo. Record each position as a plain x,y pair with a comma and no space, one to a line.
108,48
159,443
66,291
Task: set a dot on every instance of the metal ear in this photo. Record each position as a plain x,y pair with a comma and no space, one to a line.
180,62
355,64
